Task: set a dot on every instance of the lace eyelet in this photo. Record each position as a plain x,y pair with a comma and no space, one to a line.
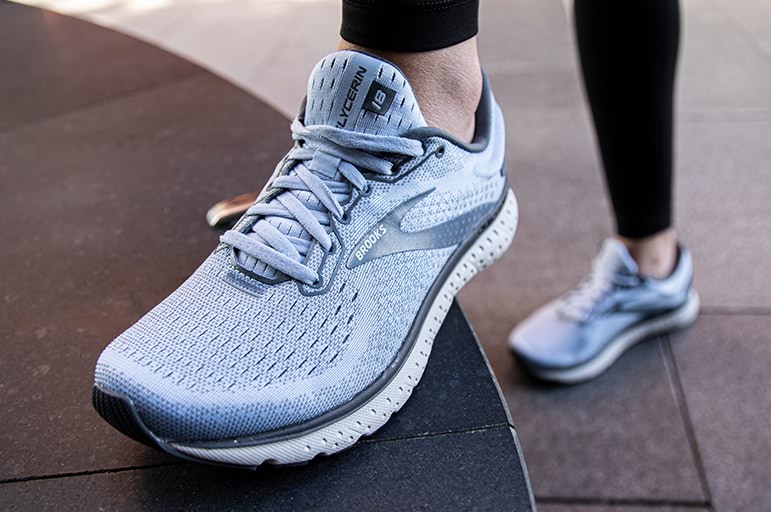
366,191
439,153
332,249
345,219
318,283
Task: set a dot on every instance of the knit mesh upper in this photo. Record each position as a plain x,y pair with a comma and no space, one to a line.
263,356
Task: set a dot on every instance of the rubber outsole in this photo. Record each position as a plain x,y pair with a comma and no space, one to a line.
119,412
680,318
341,434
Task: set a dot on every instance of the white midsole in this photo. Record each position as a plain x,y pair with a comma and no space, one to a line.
681,317
489,246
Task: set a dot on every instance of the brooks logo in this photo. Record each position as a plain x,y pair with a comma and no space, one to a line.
388,237
371,240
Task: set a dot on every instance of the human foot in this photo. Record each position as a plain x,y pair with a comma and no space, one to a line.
581,334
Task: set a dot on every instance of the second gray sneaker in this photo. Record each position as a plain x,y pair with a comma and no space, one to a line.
581,334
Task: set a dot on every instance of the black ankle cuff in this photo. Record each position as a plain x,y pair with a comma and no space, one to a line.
409,26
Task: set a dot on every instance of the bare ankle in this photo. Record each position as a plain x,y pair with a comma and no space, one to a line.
656,255
447,83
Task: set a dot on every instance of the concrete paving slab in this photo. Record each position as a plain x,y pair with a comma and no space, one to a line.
723,210
551,155
282,76
754,16
724,365
652,507
459,471
238,36
723,69
620,436
525,35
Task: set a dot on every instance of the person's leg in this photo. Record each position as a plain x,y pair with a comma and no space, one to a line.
640,284
628,54
434,45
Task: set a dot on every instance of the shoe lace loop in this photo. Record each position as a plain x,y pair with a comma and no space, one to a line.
324,166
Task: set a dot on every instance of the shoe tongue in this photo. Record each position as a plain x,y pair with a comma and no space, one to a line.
614,258
358,92
352,91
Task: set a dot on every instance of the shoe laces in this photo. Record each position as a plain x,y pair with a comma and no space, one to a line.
323,168
590,295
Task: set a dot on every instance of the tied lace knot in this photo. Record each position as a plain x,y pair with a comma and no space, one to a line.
325,167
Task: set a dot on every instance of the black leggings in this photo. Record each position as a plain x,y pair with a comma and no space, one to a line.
628,51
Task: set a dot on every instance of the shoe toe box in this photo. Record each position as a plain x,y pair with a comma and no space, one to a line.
169,408
547,339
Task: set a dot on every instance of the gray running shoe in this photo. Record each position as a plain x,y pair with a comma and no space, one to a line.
581,334
312,321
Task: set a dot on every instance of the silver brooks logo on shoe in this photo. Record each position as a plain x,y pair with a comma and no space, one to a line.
388,237
371,240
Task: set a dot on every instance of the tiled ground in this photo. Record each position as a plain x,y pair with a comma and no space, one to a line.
681,423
